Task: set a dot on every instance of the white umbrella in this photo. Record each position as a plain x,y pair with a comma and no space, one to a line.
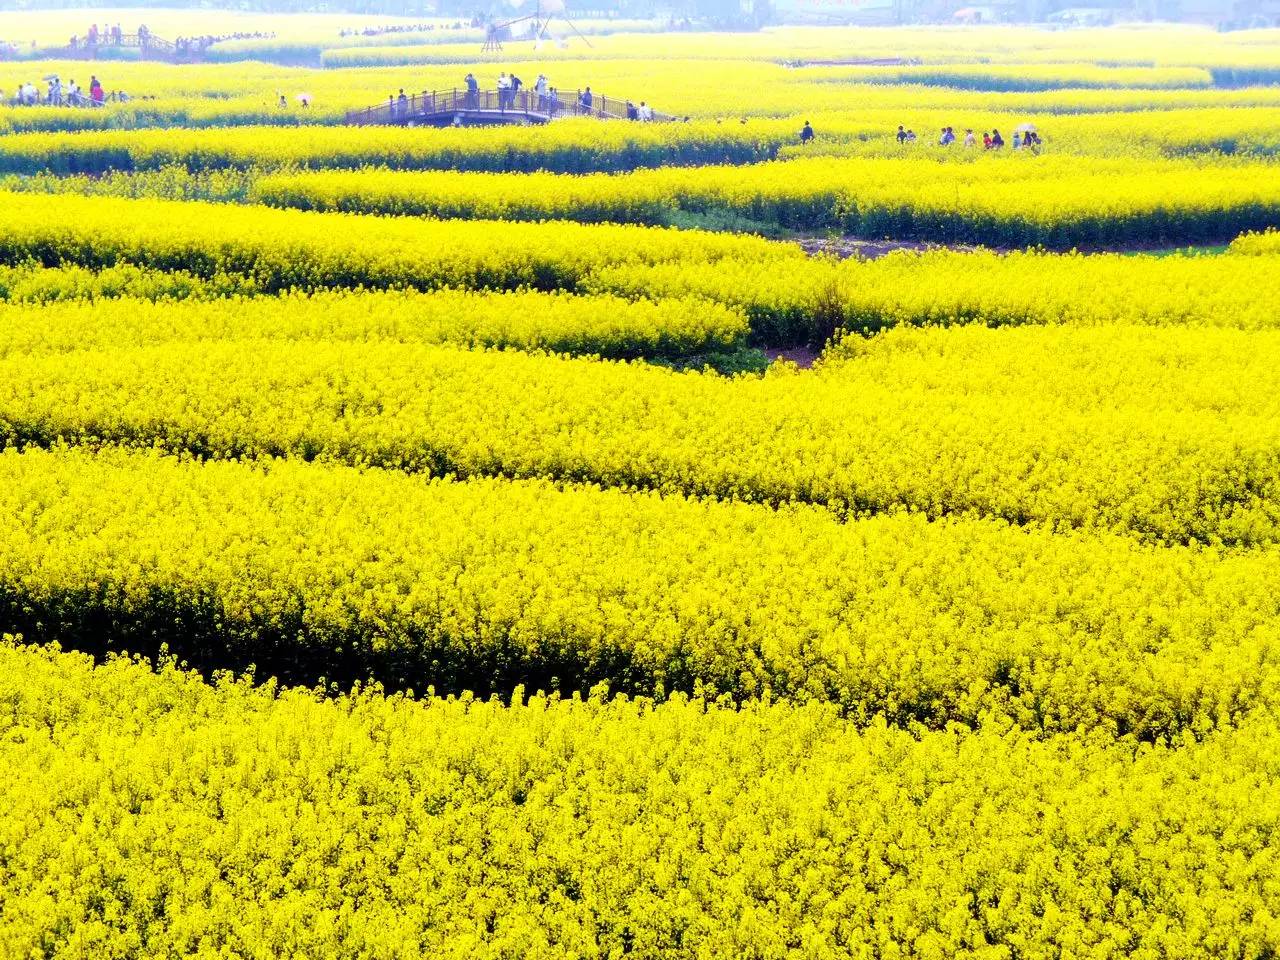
1024,127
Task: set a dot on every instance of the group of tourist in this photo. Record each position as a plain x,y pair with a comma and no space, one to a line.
203,43
1024,138
546,98
110,36
114,36
407,28
59,94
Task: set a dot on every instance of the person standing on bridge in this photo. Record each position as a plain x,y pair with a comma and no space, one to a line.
585,99
540,87
473,92
504,89
402,104
516,84
645,112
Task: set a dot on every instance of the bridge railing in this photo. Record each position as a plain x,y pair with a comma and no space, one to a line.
149,45
403,109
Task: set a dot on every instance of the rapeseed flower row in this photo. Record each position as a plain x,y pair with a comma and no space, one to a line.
281,249
797,300
569,146
309,570
1004,77
149,813
232,95
1169,433
1004,201
1258,244
31,283
601,325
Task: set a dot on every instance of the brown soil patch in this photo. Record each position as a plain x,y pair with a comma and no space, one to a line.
802,357
844,247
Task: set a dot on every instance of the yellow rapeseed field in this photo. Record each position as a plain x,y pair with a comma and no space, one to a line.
671,540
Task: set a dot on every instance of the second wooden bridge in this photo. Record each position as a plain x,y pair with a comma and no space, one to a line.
443,108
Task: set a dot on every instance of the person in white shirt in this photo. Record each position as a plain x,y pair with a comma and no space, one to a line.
645,112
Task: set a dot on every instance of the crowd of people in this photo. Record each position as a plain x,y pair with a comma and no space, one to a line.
408,28
1023,138
201,44
59,94
113,35
542,98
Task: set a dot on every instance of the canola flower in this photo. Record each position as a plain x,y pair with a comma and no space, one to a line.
600,325
962,645
1258,244
1168,433
1046,76
33,284
568,146
149,813
240,94
281,250
1054,201
799,300
309,570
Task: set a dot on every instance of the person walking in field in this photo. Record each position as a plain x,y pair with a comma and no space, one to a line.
806,132
969,139
902,134
997,141
986,140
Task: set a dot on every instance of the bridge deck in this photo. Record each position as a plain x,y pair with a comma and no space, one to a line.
444,107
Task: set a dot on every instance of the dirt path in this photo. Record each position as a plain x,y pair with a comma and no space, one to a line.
802,357
845,247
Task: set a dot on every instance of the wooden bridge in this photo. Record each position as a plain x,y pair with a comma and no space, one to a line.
149,47
443,108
